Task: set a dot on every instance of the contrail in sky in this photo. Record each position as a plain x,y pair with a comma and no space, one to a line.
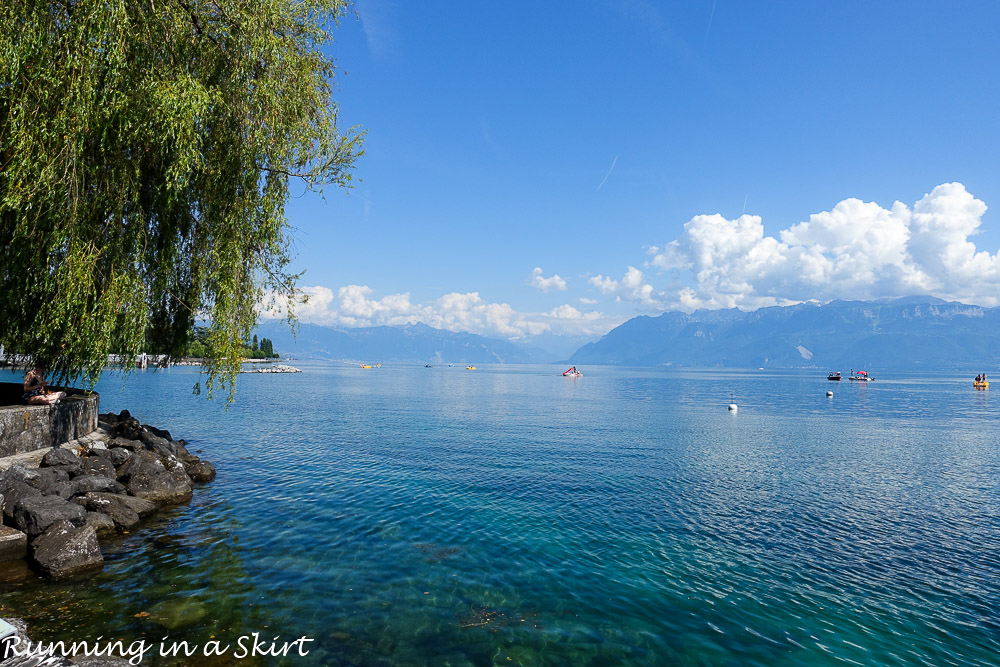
613,163
709,29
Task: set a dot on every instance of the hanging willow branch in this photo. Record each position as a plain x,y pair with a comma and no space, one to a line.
145,157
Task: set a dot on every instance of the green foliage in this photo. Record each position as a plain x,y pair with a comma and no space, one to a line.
146,148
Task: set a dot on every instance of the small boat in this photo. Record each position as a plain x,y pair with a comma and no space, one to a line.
860,376
981,384
571,373
428,366
470,368
834,376
366,365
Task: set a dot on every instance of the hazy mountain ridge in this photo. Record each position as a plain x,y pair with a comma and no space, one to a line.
901,333
414,343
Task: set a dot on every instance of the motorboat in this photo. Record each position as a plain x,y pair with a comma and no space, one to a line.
834,376
860,376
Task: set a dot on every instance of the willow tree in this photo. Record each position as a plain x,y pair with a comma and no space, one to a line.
146,153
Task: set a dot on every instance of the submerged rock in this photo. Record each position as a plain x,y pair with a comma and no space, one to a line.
13,544
173,614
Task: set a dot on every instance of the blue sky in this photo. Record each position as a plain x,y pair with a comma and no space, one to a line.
555,168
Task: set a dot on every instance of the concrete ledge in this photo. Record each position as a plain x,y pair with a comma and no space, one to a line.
28,428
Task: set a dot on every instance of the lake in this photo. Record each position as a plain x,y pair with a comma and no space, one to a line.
406,515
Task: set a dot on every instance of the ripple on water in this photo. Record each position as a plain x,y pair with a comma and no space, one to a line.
425,516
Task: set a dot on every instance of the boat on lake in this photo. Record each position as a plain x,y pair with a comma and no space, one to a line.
834,376
470,368
981,384
571,373
860,376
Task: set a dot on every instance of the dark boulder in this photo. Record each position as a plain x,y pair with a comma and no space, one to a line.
141,460
35,515
114,507
129,429
102,524
200,471
143,508
13,492
159,432
164,488
65,549
155,443
95,465
18,473
64,490
48,477
126,444
57,456
87,483
118,456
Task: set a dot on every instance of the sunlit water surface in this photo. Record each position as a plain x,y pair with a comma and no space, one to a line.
410,515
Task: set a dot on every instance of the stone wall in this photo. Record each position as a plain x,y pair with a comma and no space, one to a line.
26,428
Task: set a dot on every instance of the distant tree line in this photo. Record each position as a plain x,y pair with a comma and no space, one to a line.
254,349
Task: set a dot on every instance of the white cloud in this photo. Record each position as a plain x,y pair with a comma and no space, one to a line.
354,306
587,302
632,287
555,283
857,250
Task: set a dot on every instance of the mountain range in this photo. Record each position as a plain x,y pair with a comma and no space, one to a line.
922,332
411,343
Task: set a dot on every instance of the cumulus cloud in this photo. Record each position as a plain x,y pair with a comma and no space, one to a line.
632,287
356,306
555,283
857,250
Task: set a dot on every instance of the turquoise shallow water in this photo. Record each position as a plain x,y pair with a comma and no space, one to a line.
406,515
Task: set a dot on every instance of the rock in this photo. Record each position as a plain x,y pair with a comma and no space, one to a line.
173,614
119,456
184,455
96,465
159,445
165,488
129,429
141,460
64,490
114,507
13,544
14,492
88,483
34,515
47,477
200,471
102,524
159,432
57,456
18,473
143,508
126,444
64,550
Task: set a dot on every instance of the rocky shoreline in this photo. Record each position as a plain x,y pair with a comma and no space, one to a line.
55,514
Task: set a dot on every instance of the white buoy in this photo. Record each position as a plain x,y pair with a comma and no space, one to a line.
732,406
829,394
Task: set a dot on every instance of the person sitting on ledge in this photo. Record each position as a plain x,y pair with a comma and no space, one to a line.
35,392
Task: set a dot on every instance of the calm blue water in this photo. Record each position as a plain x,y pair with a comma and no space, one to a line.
406,515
